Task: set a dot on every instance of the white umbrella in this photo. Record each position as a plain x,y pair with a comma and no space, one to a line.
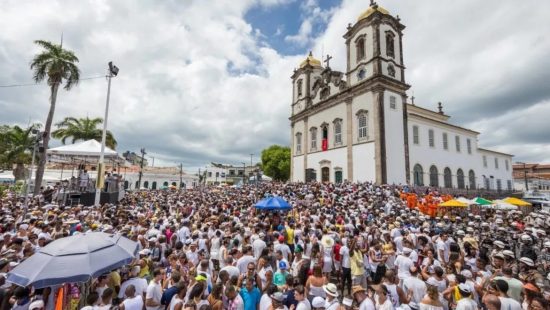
74,259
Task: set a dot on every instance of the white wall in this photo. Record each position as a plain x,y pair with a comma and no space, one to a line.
337,158
298,173
500,173
328,116
369,53
395,140
363,162
427,156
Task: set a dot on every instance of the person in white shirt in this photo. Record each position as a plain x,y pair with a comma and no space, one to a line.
466,302
443,248
506,303
415,285
346,266
133,301
139,284
154,292
300,296
360,295
403,264
259,245
247,258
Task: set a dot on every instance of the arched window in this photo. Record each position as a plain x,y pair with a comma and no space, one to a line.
362,125
137,184
165,184
360,48
174,184
299,87
146,184
154,185
472,179
390,51
299,143
434,176
126,184
418,175
448,178
460,178
313,133
338,131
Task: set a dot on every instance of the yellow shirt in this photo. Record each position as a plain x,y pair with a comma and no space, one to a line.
290,236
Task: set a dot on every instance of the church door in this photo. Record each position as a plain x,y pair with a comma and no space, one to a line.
325,174
154,185
338,177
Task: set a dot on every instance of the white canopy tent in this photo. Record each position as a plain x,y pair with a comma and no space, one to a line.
502,205
86,151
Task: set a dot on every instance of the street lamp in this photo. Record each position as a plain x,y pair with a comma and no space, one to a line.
524,175
113,71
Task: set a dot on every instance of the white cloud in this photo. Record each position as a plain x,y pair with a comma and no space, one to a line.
197,82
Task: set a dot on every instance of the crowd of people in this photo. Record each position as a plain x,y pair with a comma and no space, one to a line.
345,246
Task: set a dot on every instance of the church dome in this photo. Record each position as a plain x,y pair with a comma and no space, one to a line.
372,9
312,61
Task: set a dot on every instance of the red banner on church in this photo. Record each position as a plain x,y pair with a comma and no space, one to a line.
324,145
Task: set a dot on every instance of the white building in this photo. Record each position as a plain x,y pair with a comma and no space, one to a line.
358,125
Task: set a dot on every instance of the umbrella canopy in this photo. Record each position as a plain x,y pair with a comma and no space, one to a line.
516,202
74,259
453,203
465,200
503,205
482,201
273,203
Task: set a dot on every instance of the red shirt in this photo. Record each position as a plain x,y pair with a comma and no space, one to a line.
336,249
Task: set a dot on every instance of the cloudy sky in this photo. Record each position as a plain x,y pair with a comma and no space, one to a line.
205,80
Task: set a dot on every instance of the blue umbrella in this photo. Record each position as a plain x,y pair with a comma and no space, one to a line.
273,203
74,259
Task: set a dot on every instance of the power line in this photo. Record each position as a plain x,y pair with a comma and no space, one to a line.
35,84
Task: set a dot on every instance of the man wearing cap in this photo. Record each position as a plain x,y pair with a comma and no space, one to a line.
466,302
281,246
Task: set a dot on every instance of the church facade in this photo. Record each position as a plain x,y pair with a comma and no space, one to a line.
358,125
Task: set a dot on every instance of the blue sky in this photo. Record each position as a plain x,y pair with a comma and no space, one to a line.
278,22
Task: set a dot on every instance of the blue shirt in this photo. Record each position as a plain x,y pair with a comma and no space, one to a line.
251,299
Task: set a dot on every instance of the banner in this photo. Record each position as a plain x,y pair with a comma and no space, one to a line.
325,144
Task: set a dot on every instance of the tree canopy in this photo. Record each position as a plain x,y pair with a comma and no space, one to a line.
83,129
276,162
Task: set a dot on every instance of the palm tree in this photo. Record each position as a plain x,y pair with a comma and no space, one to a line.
18,145
82,129
54,64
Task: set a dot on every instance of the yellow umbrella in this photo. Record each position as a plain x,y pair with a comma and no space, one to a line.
453,203
516,202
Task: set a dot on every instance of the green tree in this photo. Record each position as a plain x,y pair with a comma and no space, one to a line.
17,145
82,129
56,65
276,162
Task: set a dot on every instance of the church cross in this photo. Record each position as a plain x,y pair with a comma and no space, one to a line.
327,60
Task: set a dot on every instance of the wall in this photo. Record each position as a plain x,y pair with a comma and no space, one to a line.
363,162
427,156
500,173
336,157
298,174
395,140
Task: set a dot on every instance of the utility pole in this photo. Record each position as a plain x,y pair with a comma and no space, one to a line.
113,71
141,167
181,175
36,141
525,177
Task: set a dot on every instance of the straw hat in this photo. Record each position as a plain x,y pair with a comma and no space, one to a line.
327,241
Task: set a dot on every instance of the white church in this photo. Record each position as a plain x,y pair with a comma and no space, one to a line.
358,125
